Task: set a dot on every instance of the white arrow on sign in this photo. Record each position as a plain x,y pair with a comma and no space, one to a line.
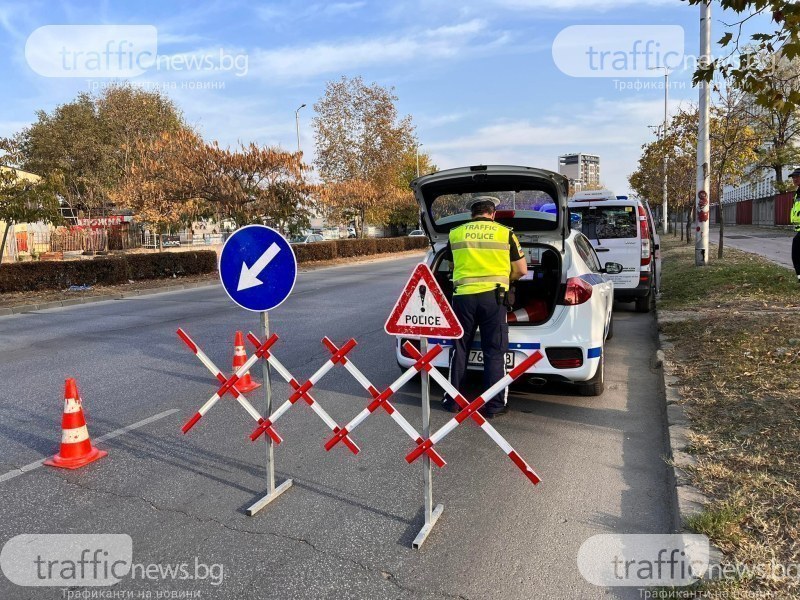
249,276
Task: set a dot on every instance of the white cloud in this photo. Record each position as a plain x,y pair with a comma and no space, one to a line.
614,129
435,44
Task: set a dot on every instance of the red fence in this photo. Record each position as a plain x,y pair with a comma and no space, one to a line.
783,205
744,212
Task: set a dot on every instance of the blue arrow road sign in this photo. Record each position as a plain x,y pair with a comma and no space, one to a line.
257,268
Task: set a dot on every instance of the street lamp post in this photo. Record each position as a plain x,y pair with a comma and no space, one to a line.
703,145
665,211
417,156
297,124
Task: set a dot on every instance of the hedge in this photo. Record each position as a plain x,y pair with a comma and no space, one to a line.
32,276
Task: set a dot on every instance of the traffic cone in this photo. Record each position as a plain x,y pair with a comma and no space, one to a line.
76,447
535,311
245,384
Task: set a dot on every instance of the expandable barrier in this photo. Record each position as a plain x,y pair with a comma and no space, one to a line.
380,399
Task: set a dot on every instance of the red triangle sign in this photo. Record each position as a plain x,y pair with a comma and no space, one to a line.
422,309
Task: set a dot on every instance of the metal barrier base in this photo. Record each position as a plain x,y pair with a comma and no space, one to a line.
269,498
426,529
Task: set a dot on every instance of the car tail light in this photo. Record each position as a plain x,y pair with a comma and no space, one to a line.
645,233
565,358
577,292
403,351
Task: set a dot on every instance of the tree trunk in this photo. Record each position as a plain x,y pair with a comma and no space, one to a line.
3,245
721,219
682,221
689,219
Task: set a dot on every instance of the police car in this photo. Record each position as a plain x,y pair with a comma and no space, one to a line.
563,306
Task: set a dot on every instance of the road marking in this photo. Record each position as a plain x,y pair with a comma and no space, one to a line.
108,436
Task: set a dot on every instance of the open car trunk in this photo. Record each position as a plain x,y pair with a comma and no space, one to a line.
536,295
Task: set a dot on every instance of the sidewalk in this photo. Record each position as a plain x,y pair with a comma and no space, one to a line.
773,243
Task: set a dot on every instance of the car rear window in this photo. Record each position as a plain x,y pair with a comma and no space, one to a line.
536,204
607,222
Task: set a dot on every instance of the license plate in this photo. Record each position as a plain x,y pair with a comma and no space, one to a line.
476,358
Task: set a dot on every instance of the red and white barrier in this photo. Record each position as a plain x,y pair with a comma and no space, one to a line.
381,399
228,384
470,409
303,391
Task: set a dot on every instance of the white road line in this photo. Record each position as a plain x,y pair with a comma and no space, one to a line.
108,436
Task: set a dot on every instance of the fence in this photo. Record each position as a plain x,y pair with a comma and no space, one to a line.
76,240
769,210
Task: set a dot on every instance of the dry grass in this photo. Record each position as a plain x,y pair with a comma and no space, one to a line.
738,361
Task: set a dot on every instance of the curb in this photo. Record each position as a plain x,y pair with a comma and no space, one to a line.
14,310
688,501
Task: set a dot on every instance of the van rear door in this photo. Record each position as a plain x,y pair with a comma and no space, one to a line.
613,230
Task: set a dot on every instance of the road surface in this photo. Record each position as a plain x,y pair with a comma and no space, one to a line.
344,529
771,243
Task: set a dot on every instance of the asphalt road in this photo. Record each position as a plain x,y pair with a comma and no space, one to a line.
344,530
770,242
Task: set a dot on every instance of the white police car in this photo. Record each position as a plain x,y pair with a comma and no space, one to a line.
563,306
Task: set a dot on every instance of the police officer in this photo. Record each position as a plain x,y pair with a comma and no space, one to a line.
795,220
486,256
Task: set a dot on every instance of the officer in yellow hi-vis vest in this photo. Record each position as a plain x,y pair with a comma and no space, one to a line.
487,256
794,219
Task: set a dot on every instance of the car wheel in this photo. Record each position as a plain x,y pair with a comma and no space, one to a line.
646,303
596,385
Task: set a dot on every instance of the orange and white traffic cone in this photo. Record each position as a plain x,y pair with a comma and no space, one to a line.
76,447
245,383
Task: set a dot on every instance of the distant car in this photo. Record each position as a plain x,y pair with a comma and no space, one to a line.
562,306
622,230
417,233
351,232
306,239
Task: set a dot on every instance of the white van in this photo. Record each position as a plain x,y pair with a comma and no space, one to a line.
622,230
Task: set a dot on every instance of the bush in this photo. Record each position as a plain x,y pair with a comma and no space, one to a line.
32,276
356,247
415,242
315,251
166,264
390,245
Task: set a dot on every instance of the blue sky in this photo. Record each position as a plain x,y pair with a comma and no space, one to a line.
478,77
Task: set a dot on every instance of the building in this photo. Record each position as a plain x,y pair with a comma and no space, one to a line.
757,183
583,170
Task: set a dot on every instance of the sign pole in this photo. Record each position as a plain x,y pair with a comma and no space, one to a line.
272,491
431,514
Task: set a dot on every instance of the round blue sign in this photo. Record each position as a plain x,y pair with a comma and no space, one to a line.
257,268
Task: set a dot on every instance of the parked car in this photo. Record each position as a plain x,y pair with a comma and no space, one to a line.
417,233
306,239
563,306
622,230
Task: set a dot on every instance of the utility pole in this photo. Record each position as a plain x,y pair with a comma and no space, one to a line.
703,145
664,207
297,124
417,156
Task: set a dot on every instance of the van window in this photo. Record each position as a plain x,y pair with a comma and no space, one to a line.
608,222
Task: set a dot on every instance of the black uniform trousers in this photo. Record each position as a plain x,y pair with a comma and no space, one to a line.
796,253
484,313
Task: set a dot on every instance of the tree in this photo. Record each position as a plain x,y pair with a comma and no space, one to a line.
406,212
24,199
733,148
679,146
90,142
777,126
178,176
756,56
360,145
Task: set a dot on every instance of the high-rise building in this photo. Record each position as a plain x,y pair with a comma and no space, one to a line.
583,170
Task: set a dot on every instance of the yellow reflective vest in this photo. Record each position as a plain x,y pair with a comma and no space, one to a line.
481,256
794,216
